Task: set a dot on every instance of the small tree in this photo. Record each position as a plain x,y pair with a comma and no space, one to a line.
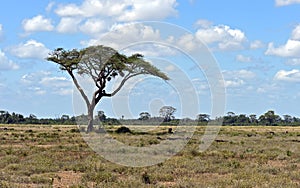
288,119
101,116
102,64
167,112
253,119
144,116
269,118
203,117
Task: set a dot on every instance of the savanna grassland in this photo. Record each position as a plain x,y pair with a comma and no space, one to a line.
57,156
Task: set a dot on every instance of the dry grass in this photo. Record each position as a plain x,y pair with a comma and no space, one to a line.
57,156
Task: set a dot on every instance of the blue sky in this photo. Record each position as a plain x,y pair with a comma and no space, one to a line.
255,43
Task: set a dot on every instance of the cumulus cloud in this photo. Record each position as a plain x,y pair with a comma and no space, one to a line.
223,36
30,49
244,59
296,33
188,42
290,76
234,83
93,26
6,64
145,10
44,82
123,35
290,49
203,23
69,10
68,25
37,23
237,78
286,2
129,36
50,6
293,62
121,10
256,44
91,8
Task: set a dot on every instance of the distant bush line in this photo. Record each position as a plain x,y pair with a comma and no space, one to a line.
230,119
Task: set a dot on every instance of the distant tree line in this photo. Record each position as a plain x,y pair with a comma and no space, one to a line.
270,118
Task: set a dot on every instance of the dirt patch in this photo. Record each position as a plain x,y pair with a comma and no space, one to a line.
166,184
66,179
276,164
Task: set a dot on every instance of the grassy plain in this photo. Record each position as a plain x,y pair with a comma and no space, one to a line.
57,156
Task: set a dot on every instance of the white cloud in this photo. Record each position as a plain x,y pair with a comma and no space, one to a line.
99,15
188,42
146,10
234,83
293,62
121,10
30,49
237,78
241,74
43,82
286,2
203,23
268,88
290,49
1,30
37,23
69,10
223,36
91,8
244,59
50,6
6,64
68,25
38,90
296,33
93,26
256,44
33,78
170,68
290,76
55,81
123,35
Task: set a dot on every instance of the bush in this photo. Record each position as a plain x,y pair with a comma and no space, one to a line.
123,130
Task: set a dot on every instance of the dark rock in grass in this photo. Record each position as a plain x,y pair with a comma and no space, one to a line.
123,130
7,129
221,141
146,178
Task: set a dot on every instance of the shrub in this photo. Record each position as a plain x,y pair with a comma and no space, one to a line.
123,130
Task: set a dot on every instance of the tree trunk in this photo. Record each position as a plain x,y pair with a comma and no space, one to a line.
90,118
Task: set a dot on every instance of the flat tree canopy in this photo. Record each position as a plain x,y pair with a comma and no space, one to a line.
101,64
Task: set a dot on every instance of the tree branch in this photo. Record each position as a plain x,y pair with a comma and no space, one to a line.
79,88
127,77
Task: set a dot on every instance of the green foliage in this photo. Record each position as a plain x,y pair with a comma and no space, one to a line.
167,112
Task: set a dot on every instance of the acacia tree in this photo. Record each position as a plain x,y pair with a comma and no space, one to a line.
144,116
102,64
203,117
167,113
